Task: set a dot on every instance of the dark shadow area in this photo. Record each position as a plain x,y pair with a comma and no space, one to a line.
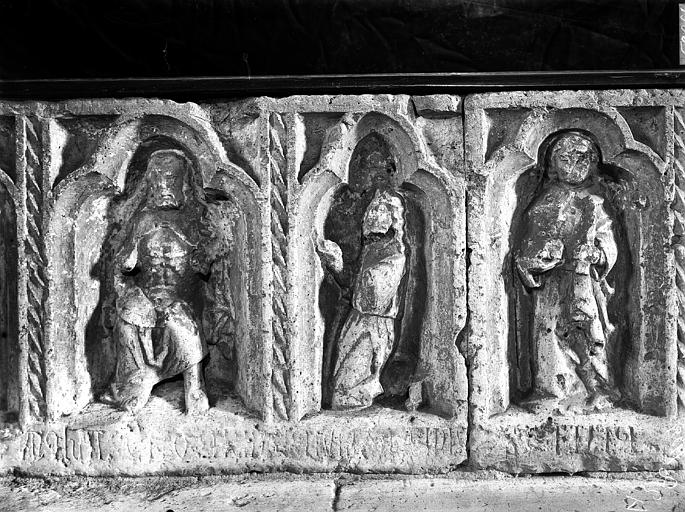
9,335
164,38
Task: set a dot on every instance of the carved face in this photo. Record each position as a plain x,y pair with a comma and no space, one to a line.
166,174
573,159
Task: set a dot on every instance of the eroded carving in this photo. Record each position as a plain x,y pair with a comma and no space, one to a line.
567,251
573,282
162,278
158,274
367,337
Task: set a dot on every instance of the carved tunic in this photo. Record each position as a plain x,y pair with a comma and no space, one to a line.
367,336
570,322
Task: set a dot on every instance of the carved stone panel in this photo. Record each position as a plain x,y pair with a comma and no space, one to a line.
573,328
255,285
367,203
343,283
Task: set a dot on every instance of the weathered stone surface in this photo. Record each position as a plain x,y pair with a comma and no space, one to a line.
520,494
479,491
329,155
149,241
161,438
164,494
300,266
573,308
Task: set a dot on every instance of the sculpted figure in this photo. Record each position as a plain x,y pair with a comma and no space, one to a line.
567,250
366,338
158,274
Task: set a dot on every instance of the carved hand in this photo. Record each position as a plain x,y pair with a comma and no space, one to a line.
588,253
330,254
549,257
524,273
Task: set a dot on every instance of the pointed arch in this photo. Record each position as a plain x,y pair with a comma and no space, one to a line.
442,198
82,201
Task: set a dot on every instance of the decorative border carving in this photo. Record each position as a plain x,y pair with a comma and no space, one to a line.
278,167
34,250
678,207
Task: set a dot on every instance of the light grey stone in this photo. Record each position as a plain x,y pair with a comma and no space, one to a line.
149,241
349,283
551,391
164,494
479,491
520,494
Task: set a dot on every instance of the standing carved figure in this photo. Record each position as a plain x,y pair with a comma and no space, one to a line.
367,336
158,272
567,251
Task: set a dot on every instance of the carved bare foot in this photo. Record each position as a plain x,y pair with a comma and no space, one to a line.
415,396
195,395
346,402
107,397
196,402
599,403
136,395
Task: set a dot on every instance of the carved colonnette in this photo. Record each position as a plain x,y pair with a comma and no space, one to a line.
573,288
163,260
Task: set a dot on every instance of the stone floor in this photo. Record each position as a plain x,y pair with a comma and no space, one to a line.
468,491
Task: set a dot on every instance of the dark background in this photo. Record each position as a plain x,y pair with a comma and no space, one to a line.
184,38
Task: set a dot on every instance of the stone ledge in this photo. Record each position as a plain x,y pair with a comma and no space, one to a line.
162,439
465,491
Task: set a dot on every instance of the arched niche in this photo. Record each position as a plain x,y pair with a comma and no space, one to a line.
9,318
90,207
502,189
437,196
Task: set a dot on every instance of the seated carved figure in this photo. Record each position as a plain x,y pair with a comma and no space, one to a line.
367,336
158,274
567,251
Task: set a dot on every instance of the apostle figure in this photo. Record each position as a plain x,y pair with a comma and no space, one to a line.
567,250
366,339
158,274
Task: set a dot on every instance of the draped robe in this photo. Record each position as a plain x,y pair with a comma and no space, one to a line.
367,336
570,324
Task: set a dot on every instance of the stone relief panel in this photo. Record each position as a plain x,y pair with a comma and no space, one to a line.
174,306
572,334
567,255
375,224
165,288
281,284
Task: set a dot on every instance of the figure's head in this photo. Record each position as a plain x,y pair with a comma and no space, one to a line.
573,157
385,211
167,172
